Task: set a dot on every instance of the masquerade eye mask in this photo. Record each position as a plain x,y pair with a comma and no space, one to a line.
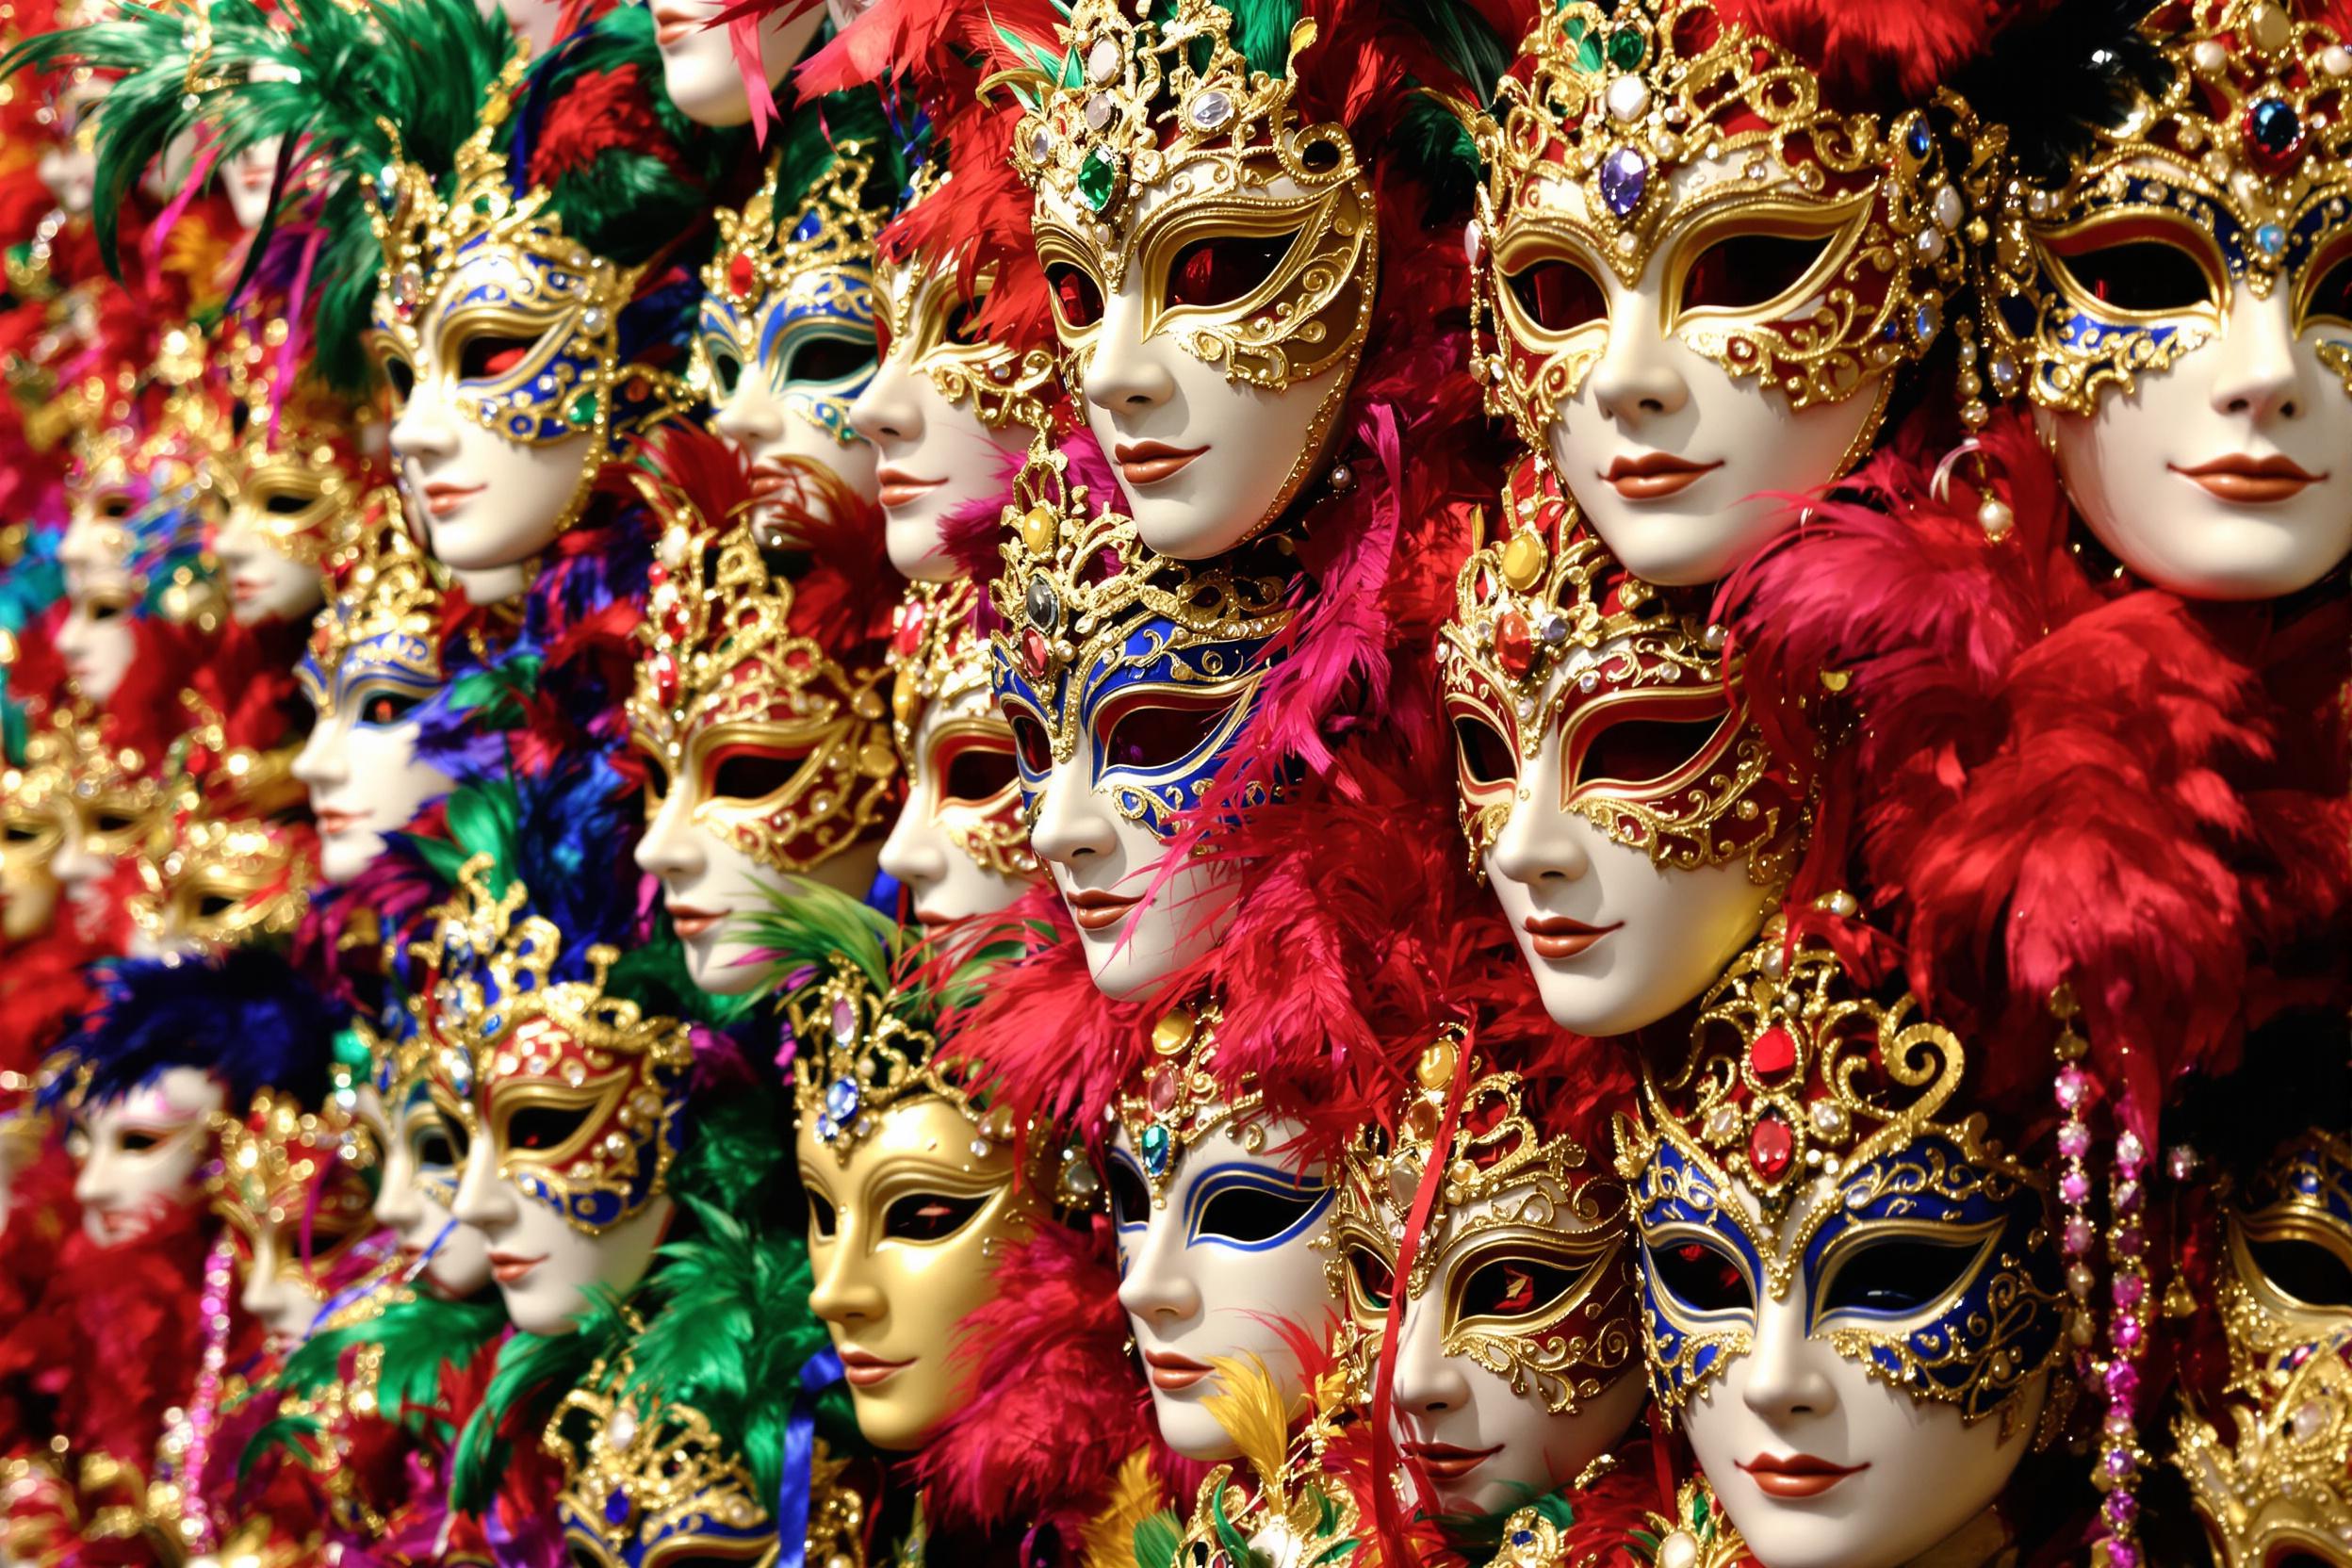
379,643
2230,177
291,473
795,304
1925,1254
1540,1286
930,326
1156,662
286,1172
648,1484
76,788
783,742
938,662
1553,644
579,1096
1805,248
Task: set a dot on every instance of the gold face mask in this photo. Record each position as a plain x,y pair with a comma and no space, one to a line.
240,854
938,662
34,826
291,471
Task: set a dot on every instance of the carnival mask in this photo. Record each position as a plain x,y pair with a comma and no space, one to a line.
247,176
565,1105
1521,1318
290,478
420,1179
1700,279
1624,808
92,802
787,336
1213,262
374,660
2281,1490
649,1484
140,1157
2178,306
295,1204
949,412
503,343
701,71
1843,1295
1127,679
69,159
1217,1233
34,826
95,639
240,853
959,846
764,753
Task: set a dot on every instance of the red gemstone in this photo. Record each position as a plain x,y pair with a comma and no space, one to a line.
1514,645
657,574
740,276
1034,651
665,678
1162,1092
1771,1146
909,631
1773,1054
674,624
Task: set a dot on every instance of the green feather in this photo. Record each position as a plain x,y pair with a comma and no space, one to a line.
733,1156
1157,1540
534,1372
810,927
419,1337
296,1434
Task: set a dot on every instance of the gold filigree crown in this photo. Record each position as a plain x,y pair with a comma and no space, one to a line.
1182,1098
759,257
273,1157
861,1054
935,656
387,588
645,1472
69,755
293,438
2281,1490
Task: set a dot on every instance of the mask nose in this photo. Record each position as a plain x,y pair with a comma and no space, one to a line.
2260,375
1636,380
1126,377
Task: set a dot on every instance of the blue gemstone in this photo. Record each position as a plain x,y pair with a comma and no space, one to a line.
1158,1146
2275,129
1916,139
827,1129
840,1099
2270,239
460,1072
807,228
1625,175
1926,324
491,1023
617,1506
1523,1538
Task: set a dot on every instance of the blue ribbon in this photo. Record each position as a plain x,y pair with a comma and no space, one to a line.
817,1374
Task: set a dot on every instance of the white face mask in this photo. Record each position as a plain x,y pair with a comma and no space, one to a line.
419,1181
247,178
707,881
2227,474
95,641
139,1156
1204,462
1212,1268
775,439
544,1268
1105,863
279,1295
265,584
933,455
1890,1474
360,766
1677,465
1485,1449
963,786
698,67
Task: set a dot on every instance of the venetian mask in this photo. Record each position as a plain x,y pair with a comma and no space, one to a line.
700,69
565,1105
2280,1490
1127,678
420,1179
504,347
374,660
1520,1323
295,1203
959,846
1217,1233
239,856
1213,264
1853,1307
765,752
649,1483
1699,278
949,412
247,175
33,823
140,1157
910,1175
2177,306
1624,808
93,802
786,342
290,478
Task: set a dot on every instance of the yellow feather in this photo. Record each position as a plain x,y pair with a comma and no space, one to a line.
1251,1406
1109,1538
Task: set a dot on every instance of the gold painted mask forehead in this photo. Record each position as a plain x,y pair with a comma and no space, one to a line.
927,322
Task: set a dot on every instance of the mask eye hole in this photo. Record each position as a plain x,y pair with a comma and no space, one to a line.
963,323
1371,1279
134,1141
1130,1204
1703,1279
829,359
1077,298
538,1129
1486,760
657,780
821,1216
2303,1269
453,1138
114,506
749,774
215,906
1250,1215
1557,295
114,822
1514,1288
1899,1277
22,833
105,606
928,1216
486,355
1037,751
387,707
1744,271
1644,751
401,376
1160,734
2137,273
434,1151
977,774
2331,297
1224,268
727,371
287,503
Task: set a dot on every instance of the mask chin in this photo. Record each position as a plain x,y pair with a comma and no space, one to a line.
573,1264
698,68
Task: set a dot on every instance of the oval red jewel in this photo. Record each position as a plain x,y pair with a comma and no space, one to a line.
1514,645
1773,1054
1033,651
1771,1146
909,631
739,274
664,668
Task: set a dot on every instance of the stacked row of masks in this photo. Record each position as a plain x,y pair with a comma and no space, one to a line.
875,967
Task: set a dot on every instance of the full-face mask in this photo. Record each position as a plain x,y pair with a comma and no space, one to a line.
374,659
1848,1287
1127,678
239,853
291,1190
291,472
1214,263
1520,1328
83,801
420,1171
787,340
2172,292
1627,811
141,1157
960,845
1699,277
703,66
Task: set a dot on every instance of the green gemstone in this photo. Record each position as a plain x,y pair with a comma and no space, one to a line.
583,409
1155,1143
1098,178
1625,48
1589,52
